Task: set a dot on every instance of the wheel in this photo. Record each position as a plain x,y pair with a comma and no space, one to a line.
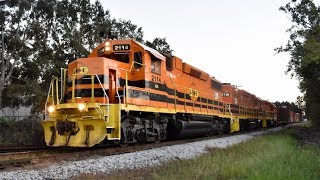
157,138
122,142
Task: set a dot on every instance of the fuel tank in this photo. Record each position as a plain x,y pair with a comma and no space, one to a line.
198,126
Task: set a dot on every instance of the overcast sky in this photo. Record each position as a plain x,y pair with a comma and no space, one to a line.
232,40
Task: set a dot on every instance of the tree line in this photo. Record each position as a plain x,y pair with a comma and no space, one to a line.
38,37
304,49
291,105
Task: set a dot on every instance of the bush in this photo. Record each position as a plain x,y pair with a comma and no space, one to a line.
25,132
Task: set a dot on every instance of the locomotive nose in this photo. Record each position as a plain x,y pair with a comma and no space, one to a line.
82,133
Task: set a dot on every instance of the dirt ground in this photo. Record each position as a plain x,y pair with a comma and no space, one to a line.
306,135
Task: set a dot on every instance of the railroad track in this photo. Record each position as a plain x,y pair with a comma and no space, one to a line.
7,149
18,156
33,157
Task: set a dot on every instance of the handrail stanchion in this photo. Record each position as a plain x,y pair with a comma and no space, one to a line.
105,94
185,100
45,107
126,89
52,92
175,98
61,82
73,100
57,90
92,88
119,99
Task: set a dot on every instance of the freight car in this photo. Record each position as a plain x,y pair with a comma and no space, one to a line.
126,92
285,115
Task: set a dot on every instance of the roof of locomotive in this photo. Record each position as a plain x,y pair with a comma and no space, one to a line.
246,93
152,51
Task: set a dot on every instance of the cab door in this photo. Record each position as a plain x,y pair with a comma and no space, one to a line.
138,70
156,81
137,93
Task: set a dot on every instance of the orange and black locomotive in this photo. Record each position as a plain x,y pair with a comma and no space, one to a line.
126,92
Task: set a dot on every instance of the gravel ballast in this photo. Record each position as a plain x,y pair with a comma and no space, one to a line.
140,159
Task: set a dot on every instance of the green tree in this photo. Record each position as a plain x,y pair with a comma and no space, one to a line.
40,37
125,29
160,44
15,42
304,48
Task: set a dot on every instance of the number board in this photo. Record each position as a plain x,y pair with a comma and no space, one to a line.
121,47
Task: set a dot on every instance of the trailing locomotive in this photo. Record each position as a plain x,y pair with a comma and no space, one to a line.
126,92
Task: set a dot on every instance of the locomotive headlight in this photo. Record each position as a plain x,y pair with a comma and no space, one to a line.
51,109
82,107
107,46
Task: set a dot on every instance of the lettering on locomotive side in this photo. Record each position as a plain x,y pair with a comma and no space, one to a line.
121,47
226,94
80,70
194,94
156,79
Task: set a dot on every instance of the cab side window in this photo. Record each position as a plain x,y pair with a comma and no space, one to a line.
137,60
155,65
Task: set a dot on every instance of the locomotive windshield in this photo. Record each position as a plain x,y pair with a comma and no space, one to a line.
122,57
137,60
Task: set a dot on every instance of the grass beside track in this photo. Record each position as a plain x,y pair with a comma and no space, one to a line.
270,157
274,156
